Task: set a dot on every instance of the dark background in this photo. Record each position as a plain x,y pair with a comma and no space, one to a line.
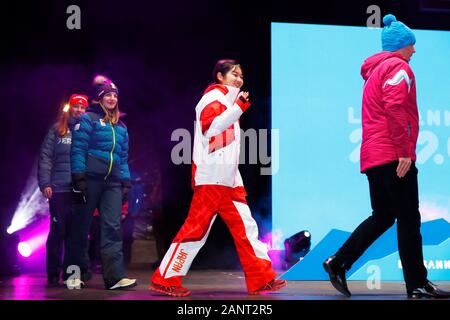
160,54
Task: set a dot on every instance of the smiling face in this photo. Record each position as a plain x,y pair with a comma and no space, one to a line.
234,77
77,110
110,100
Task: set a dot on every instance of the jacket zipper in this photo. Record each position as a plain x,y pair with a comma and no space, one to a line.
111,152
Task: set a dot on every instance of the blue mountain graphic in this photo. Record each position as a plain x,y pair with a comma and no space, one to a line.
435,256
310,267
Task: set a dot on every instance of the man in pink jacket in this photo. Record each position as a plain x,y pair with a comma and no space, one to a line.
390,124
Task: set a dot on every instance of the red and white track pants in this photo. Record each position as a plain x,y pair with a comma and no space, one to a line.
230,204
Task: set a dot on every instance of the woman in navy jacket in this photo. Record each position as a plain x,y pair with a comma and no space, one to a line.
101,178
54,179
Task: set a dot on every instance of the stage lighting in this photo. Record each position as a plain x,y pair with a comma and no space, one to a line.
34,239
297,246
31,206
24,249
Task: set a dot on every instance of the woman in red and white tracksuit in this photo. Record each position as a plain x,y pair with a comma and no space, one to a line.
218,190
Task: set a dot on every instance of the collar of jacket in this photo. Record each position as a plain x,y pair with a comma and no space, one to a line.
71,122
220,87
96,108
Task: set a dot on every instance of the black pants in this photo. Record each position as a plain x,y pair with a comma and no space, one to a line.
127,232
391,198
94,256
60,208
107,197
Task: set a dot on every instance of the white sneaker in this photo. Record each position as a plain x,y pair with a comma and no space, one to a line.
75,284
124,283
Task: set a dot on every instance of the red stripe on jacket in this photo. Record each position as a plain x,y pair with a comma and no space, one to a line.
209,113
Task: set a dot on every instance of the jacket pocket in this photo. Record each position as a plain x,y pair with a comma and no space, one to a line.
96,166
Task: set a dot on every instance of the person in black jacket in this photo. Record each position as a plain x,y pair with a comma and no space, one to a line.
54,179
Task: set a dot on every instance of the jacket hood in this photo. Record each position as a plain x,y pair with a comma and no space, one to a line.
213,86
230,93
370,64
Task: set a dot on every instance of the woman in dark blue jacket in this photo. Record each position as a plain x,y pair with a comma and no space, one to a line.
101,178
54,178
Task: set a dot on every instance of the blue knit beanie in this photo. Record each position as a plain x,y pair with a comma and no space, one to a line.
395,35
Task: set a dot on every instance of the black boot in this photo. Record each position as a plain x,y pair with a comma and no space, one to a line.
427,291
337,275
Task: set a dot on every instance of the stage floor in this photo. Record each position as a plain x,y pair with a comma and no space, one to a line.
204,285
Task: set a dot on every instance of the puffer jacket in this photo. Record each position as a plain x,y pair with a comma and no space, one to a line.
99,149
54,160
390,119
217,137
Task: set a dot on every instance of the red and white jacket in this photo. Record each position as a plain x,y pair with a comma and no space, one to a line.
217,137
390,118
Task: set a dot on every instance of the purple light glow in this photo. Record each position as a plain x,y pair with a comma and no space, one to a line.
24,249
34,238
31,205
273,240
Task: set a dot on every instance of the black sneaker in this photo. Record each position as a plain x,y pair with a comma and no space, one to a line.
336,273
428,291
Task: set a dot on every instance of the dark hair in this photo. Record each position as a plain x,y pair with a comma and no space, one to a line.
223,66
